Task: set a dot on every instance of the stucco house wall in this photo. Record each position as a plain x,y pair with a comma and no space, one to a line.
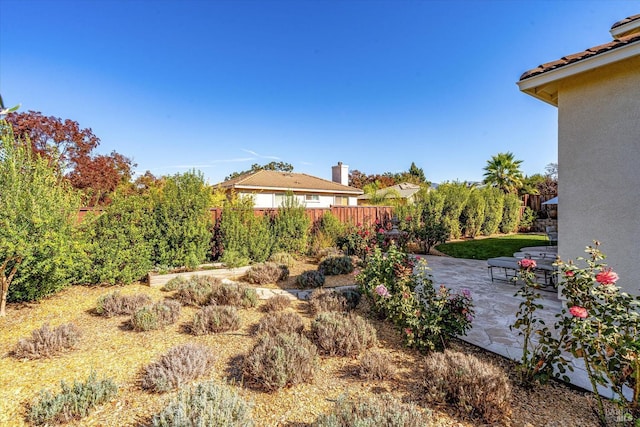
269,200
599,173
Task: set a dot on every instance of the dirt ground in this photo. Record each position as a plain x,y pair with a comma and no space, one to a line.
111,349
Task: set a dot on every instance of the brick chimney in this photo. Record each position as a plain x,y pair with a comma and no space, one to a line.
340,174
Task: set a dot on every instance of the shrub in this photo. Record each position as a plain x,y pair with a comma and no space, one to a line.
119,240
322,300
332,266
511,213
214,319
455,198
177,366
328,252
310,279
291,226
115,304
479,388
155,316
473,214
376,365
337,334
197,290
280,361
73,402
494,199
205,404
528,219
276,303
268,272
234,259
182,220
233,294
280,323
373,412
47,342
352,296
282,258
175,284
427,318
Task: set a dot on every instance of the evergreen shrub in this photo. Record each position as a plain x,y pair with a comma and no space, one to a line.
214,319
332,266
116,304
178,366
337,334
310,279
280,323
46,342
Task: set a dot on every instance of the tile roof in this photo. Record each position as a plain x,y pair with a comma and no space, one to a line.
274,180
570,59
625,21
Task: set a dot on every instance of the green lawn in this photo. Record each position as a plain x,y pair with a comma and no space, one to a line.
492,247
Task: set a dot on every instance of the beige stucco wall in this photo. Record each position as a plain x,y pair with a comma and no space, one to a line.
599,166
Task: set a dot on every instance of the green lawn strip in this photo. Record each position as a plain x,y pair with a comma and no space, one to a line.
492,247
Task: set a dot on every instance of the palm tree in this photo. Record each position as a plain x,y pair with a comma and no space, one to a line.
503,172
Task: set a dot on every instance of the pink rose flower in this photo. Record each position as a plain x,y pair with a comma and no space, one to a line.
382,291
527,263
607,277
568,273
466,293
578,311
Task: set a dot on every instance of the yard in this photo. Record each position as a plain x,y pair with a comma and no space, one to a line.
491,247
111,349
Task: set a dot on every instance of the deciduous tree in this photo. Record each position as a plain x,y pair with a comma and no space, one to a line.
271,166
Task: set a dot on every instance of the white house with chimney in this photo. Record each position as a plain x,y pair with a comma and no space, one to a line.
269,188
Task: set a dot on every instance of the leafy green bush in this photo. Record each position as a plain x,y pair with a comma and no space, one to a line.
243,235
280,323
178,366
279,361
511,214
473,214
38,251
373,412
156,316
322,300
116,304
528,219
337,334
291,227
456,195
376,365
215,319
332,266
73,402
267,272
46,342
118,241
494,199
276,303
174,284
310,279
205,404
478,388
328,252
182,221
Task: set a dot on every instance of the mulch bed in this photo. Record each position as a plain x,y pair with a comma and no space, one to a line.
111,349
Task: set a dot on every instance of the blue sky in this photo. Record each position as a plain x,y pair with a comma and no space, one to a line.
220,85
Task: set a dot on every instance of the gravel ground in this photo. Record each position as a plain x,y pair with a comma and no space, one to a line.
110,349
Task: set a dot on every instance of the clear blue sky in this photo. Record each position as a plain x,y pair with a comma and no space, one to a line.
220,85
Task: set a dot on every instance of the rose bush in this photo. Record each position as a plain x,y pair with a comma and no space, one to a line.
427,318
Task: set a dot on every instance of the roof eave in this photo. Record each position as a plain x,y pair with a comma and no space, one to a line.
307,190
544,85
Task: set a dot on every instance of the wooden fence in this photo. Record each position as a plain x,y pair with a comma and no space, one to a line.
365,215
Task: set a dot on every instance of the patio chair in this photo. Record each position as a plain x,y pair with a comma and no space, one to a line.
552,234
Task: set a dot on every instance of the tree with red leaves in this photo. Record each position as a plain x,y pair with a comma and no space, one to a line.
69,149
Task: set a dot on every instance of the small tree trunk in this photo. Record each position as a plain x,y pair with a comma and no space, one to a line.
4,288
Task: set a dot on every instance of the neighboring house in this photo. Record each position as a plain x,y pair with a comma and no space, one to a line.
269,188
403,193
597,93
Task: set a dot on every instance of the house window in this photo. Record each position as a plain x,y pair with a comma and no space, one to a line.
311,198
341,201
279,200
